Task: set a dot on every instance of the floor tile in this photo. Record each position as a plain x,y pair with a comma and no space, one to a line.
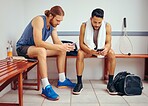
64,98
33,98
56,104
138,104
84,99
119,104
32,104
115,99
85,104
136,99
9,97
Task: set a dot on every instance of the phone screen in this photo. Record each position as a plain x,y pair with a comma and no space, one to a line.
100,50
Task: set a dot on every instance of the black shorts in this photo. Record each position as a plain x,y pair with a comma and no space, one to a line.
22,51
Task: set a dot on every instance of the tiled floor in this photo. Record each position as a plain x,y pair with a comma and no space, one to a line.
93,94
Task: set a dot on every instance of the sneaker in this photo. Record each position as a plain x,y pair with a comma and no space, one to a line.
77,89
111,89
49,93
66,84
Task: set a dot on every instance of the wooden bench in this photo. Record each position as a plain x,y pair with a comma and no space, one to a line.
145,56
10,71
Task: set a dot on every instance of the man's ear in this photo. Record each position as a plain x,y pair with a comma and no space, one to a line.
90,18
50,16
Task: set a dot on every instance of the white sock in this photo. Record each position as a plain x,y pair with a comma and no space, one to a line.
45,82
62,77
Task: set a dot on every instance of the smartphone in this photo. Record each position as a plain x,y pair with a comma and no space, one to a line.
31,60
100,50
74,43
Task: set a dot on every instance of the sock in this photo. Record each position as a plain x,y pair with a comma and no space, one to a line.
45,82
111,78
79,79
62,77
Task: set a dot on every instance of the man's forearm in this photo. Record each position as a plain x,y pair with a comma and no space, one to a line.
85,49
108,46
48,46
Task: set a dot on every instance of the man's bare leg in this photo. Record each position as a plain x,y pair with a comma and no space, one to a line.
80,63
60,62
61,56
111,63
79,67
41,55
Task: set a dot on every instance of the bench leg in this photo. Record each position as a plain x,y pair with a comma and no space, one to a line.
20,89
146,69
65,68
25,75
14,84
38,78
105,75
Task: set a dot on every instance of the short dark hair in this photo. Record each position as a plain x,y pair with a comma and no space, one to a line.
56,10
98,13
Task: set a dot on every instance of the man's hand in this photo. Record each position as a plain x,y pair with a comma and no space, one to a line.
71,47
67,47
94,52
98,52
103,52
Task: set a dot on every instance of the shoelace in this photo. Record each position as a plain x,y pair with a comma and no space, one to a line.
50,90
70,82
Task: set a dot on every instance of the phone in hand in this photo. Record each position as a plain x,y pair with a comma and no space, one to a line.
99,50
31,60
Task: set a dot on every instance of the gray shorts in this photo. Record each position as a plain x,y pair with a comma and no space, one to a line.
22,51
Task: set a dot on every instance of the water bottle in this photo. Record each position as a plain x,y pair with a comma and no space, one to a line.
9,52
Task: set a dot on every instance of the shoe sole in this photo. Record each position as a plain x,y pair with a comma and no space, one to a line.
77,93
112,93
50,98
63,87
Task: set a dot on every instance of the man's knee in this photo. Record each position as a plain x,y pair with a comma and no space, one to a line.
61,53
42,52
80,55
111,54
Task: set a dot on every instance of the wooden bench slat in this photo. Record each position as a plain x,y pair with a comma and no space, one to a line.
10,67
6,68
5,71
14,67
8,75
6,64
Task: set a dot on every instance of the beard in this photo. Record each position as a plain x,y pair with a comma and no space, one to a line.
51,23
96,27
54,25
